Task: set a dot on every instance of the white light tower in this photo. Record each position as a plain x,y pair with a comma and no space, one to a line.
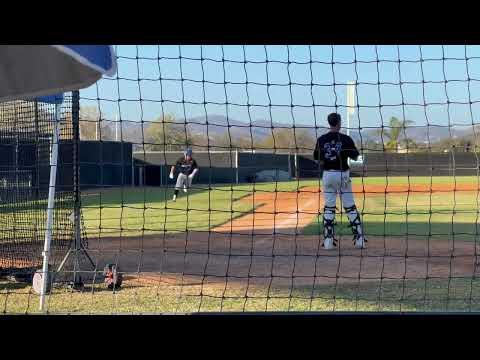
350,105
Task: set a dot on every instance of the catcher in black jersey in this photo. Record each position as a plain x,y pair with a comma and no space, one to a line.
187,168
332,151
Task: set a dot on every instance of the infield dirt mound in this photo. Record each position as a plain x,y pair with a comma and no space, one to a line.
281,260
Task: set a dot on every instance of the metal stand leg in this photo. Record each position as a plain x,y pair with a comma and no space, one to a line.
75,251
77,247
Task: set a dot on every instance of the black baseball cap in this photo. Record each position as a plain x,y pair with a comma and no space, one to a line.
334,119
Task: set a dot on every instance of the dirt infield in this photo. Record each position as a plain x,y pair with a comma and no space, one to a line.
279,210
266,248
291,211
17,256
241,259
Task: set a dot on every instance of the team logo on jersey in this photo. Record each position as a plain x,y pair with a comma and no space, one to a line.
332,150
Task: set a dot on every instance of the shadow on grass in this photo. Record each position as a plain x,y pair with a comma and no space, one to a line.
421,230
448,294
425,295
6,285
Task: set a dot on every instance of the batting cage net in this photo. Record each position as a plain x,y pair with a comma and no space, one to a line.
26,139
260,226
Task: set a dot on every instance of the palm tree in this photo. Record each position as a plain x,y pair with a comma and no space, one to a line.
392,135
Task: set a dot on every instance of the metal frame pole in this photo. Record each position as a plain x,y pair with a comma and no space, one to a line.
50,208
77,245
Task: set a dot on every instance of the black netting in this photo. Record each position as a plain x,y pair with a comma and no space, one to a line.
26,135
247,233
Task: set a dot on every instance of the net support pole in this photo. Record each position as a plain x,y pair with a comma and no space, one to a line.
133,173
76,182
77,246
50,208
37,155
295,164
236,166
289,165
348,131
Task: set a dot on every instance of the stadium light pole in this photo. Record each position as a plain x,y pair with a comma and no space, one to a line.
350,105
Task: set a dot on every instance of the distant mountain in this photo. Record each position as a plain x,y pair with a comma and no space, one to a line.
219,125
422,134
259,128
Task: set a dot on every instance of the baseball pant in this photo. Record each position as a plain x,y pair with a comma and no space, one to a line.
339,182
182,180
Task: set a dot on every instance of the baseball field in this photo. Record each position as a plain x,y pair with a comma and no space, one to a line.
258,248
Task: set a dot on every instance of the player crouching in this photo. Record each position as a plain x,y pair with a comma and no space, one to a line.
187,168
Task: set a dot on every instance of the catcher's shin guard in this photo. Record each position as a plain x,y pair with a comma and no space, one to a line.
355,224
329,227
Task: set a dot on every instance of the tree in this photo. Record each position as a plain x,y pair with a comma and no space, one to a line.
409,144
165,134
392,135
465,143
305,140
279,139
288,139
93,126
222,141
225,141
371,145
242,142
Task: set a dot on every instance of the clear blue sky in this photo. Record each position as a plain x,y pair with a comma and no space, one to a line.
140,79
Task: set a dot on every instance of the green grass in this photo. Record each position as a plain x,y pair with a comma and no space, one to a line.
440,215
444,215
111,212
140,211
432,295
137,211
416,180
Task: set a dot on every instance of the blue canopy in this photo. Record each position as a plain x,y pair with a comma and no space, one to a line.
98,57
34,71
51,99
